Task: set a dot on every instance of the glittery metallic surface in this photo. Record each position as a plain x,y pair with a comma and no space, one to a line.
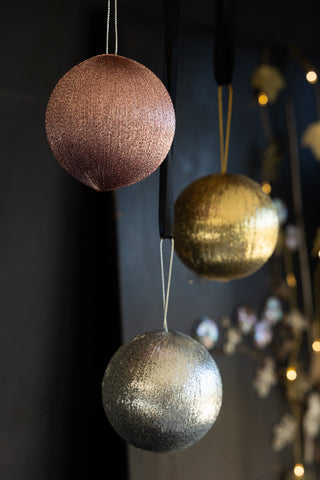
110,122
226,227
162,391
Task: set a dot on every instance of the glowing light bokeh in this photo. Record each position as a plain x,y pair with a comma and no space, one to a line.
291,374
311,76
263,99
298,470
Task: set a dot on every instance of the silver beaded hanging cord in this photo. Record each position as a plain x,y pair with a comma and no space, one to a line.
108,25
115,27
165,294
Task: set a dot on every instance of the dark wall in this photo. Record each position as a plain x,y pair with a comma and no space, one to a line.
62,313
60,317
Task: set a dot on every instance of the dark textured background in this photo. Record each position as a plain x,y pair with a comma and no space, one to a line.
60,299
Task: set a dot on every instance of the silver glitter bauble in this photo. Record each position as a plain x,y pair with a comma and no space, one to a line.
162,391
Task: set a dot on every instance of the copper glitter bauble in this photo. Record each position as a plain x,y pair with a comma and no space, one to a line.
110,122
162,391
226,227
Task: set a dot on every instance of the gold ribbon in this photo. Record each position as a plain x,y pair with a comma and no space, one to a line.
224,143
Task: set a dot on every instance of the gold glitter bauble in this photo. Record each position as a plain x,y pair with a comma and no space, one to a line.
162,391
110,122
226,227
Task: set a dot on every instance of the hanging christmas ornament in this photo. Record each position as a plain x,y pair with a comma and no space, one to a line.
110,121
162,390
226,227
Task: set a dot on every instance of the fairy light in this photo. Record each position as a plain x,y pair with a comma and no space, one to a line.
266,187
298,470
263,99
316,346
291,374
312,76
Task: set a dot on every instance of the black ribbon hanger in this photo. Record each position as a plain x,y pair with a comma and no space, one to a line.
172,19
224,40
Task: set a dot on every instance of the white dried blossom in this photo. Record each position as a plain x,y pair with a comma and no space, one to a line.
311,421
296,320
284,432
233,339
269,80
262,334
265,379
293,237
246,318
311,138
